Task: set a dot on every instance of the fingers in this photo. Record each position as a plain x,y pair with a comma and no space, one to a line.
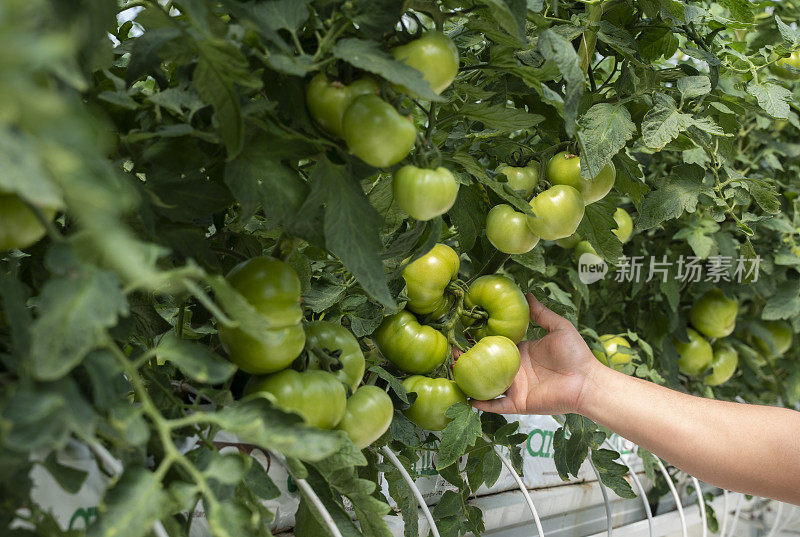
544,317
503,405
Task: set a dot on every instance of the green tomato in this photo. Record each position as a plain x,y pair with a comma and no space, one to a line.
333,337
327,101
317,396
508,310
435,56
488,368
272,288
565,169
584,247
523,178
624,225
19,227
723,366
412,347
570,242
367,416
376,133
508,230
611,354
426,279
424,193
714,314
779,67
695,355
434,397
559,210
781,339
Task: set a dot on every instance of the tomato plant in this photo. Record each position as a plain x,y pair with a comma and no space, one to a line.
611,355
178,143
424,193
427,278
487,369
434,397
508,230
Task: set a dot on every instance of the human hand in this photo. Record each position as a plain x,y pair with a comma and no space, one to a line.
554,370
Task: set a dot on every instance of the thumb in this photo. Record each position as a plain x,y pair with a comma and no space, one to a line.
545,317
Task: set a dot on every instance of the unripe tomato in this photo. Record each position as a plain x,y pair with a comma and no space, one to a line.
779,67
611,355
487,369
523,178
435,56
19,227
584,247
504,302
434,397
412,347
695,355
424,193
558,210
508,230
723,366
272,288
569,242
781,338
327,101
565,169
367,416
624,225
426,279
376,133
714,314
317,396
333,337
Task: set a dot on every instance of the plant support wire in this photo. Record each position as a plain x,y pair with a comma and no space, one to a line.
521,485
609,520
417,494
701,504
675,495
642,494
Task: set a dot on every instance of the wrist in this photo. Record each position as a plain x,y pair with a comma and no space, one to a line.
594,381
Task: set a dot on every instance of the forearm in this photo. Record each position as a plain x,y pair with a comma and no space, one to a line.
746,448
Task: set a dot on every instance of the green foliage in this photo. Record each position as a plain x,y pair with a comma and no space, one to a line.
174,142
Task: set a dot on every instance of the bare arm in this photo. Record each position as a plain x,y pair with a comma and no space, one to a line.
746,448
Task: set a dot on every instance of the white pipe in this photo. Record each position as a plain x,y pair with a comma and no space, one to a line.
736,516
417,494
521,485
642,493
675,495
609,520
311,495
725,513
702,505
776,523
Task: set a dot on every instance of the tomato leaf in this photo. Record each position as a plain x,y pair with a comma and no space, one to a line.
196,361
132,505
459,435
604,130
612,473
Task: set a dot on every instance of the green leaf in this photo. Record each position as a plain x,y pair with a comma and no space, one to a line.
404,497
785,303
257,421
131,506
559,50
259,482
500,118
459,435
663,123
694,86
596,226
630,179
71,479
468,215
569,453
612,474
394,383
76,312
680,194
195,360
510,15
351,228
774,99
604,130
741,10
367,55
